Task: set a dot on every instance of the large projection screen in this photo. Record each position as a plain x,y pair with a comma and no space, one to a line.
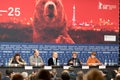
59,25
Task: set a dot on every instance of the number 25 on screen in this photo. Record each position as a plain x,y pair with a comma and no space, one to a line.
13,11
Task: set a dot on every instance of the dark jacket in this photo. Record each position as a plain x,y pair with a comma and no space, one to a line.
5,78
50,62
76,61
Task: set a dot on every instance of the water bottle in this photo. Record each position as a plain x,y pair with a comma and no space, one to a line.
58,62
109,62
76,64
105,62
6,63
112,62
9,64
36,63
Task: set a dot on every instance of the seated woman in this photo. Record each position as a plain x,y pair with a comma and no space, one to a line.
17,60
92,60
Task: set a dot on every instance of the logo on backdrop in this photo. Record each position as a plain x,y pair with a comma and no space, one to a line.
103,6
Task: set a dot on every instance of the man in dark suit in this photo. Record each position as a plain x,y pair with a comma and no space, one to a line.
74,60
53,59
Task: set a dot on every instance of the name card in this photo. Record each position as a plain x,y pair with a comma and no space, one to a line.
85,67
66,67
102,67
47,67
28,67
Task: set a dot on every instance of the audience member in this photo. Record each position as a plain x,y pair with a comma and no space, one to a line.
80,75
74,60
53,73
94,74
32,77
17,76
17,60
36,60
115,73
8,76
53,59
72,74
92,60
65,75
43,75
25,75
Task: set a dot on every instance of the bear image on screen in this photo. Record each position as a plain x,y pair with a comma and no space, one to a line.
49,22
59,21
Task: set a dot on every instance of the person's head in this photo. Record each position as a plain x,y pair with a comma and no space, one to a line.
32,77
54,54
65,76
24,74
17,76
36,52
80,75
43,74
94,74
9,72
74,54
71,73
17,56
93,54
53,73
119,70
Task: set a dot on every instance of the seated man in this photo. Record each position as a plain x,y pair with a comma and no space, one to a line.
17,61
53,59
36,60
74,60
92,60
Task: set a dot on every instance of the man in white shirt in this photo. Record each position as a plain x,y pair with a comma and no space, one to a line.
36,60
